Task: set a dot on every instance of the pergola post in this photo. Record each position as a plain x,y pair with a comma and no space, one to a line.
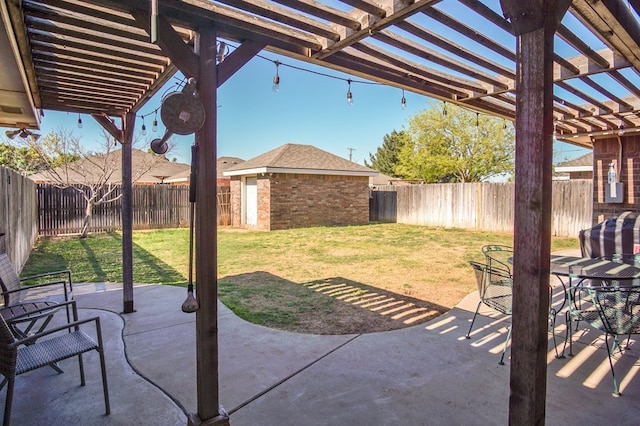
534,24
129,121
125,137
206,238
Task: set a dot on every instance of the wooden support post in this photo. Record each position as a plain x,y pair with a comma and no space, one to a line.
129,121
125,137
209,412
535,24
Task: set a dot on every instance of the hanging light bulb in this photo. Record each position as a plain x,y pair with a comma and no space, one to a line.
144,128
349,94
276,79
403,101
223,49
79,122
154,125
444,109
477,119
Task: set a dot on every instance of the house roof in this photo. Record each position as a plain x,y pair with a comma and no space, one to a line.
303,159
146,168
583,163
223,164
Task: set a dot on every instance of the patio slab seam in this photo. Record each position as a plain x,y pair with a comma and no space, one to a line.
131,364
292,375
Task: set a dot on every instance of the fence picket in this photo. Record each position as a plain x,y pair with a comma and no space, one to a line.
486,205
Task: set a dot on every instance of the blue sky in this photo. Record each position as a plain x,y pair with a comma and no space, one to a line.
309,108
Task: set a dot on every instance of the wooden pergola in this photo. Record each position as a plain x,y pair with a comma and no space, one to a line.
97,57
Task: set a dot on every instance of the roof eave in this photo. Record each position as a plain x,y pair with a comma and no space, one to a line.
263,170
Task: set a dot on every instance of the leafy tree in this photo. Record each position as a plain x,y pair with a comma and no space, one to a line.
385,159
459,146
21,159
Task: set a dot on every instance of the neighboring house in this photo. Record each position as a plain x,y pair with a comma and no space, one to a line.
382,179
578,168
295,186
222,164
146,169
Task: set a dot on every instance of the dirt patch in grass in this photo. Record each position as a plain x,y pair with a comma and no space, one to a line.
328,306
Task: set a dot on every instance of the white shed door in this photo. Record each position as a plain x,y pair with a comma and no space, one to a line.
251,201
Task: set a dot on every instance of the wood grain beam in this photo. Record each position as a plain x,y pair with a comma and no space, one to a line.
378,25
456,49
171,43
285,16
470,33
431,55
328,13
452,84
237,59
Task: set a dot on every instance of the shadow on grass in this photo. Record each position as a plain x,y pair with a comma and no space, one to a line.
99,259
329,306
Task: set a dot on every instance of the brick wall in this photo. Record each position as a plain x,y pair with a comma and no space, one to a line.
606,151
299,201
236,208
296,201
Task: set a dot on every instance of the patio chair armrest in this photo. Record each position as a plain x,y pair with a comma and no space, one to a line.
67,272
29,287
57,306
34,337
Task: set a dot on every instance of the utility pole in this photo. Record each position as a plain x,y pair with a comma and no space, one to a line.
351,153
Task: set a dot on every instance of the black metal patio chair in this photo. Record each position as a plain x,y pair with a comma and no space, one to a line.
618,310
498,256
19,296
495,290
55,344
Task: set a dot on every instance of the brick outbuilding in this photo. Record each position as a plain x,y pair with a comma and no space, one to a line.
296,186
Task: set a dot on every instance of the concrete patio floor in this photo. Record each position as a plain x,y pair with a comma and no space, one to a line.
426,374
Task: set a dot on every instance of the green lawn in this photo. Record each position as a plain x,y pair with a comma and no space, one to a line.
268,277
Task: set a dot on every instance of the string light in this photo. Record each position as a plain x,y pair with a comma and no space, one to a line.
349,94
477,119
144,128
276,79
154,125
444,109
79,122
223,49
403,101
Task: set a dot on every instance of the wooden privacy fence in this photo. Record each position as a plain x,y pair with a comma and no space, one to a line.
62,211
18,216
487,206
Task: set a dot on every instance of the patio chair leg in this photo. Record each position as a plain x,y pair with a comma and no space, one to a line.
7,404
616,389
81,365
103,368
504,350
105,387
468,336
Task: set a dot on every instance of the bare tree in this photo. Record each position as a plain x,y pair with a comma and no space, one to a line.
94,175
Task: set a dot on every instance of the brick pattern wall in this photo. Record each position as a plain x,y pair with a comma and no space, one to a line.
299,201
236,207
606,151
296,201
264,203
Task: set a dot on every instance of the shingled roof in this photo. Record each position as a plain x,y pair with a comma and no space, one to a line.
147,169
582,163
303,159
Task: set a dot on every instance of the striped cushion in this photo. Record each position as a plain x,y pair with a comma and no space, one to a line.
619,234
